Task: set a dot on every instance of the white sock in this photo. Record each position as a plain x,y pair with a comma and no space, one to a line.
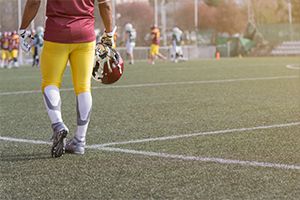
84,106
53,103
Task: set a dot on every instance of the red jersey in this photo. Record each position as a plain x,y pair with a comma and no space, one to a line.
5,43
14,42
70,21
155,34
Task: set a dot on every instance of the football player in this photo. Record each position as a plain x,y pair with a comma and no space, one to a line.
154,48
5,55
69,36
14,48
177,52
130,36
1,49
38,42
115,37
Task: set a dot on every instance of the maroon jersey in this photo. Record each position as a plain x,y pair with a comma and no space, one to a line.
5,43
155,34
70,21
14,42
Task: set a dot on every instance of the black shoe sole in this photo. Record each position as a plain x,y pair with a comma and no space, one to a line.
58,147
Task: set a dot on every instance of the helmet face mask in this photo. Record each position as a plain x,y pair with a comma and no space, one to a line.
109,65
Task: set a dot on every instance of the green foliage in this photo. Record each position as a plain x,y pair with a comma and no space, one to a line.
296,10
213,2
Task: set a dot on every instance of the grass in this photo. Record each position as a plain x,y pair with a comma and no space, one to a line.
161,100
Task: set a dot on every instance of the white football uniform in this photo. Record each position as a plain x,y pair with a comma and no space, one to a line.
130,42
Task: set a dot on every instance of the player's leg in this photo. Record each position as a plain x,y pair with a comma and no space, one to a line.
15,57
153,50
173,53
159,54
2,58
38,52
129,51
5,58
53,63
132,45
33,56
8,59
81,60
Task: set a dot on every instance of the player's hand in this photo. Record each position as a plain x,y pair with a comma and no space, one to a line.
107,39
25,39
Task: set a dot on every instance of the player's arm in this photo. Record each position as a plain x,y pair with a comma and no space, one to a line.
30,11
106,15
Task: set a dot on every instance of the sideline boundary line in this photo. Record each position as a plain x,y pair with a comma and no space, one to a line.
160,84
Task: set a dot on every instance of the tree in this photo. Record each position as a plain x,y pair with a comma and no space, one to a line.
274,11
213,2
9,15
296,10
227,17
230,18
140,15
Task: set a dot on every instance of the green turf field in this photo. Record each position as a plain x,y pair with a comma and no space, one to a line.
206,129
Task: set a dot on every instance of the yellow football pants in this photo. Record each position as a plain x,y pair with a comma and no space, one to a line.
14,53
54,59
5,55
154,49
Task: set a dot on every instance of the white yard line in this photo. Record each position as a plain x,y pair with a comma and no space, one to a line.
172,156
162,84
293,66
37,77
10,139
173,137
202,159
104,147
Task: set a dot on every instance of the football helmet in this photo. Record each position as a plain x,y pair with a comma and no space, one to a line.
128,27
109,65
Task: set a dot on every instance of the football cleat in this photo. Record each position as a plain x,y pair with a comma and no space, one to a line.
75,146
59,142
109,65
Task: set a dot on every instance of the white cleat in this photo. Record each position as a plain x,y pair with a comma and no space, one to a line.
74,146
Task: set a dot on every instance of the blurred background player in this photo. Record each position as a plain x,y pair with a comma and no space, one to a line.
130,37
38,42
0,48
177,52
115,37
14,49
5,55
66,40
154,48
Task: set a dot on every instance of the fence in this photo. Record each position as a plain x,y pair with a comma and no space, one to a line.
277,33
141,53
